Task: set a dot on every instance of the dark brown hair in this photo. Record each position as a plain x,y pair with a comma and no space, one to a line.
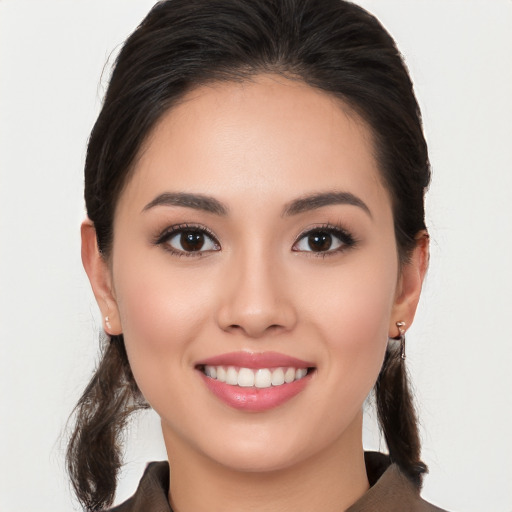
331,45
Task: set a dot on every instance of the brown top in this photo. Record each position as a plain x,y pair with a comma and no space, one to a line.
390,491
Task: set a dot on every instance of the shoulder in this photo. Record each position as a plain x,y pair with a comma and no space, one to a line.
391,490
151,493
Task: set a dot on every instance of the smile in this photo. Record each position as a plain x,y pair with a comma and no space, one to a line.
259,378
255,382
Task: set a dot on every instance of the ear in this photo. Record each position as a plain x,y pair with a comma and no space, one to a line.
100,277
409,285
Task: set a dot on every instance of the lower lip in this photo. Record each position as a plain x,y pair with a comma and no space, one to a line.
255,399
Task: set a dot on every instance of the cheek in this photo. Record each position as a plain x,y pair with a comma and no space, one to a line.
162,312
352,314
158,302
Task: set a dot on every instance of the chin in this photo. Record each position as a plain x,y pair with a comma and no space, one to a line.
267,450
258,459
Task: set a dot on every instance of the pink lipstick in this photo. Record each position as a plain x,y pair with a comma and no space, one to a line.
255,381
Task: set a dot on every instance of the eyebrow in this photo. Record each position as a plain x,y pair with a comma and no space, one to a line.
319,200
195,201
301,205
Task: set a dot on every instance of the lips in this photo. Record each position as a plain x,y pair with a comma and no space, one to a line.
255,381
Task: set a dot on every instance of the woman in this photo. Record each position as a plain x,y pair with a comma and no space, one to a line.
256,244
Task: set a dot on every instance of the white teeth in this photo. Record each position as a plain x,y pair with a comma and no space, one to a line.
277,377
263,378
232,376
301,372
221,374
245,378
211,371
289,375
260,378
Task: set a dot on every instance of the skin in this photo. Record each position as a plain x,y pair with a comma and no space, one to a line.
256,147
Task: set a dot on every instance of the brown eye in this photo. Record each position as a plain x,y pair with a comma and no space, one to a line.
325,240
319,241
186,241
192,241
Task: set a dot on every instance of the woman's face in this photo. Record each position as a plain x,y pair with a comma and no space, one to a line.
255,243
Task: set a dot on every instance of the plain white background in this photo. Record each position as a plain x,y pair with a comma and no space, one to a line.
52,55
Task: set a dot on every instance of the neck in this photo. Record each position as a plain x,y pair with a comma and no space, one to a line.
329,481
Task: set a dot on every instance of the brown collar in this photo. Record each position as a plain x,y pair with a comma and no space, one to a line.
390,491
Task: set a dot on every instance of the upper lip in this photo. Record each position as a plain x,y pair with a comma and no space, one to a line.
255,360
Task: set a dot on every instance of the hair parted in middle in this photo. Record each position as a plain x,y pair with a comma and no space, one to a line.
332,45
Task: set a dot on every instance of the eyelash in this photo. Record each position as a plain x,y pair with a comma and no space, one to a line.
344,237
172,231
347,240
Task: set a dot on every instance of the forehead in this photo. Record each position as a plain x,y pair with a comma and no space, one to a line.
271,136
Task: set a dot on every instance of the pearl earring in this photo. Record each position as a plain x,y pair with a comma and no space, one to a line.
107,323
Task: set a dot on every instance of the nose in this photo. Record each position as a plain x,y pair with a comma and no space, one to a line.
256,299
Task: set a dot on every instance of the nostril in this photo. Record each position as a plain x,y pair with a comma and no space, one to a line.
255,331
255,318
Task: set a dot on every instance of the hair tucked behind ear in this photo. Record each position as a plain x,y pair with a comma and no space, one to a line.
94,451
397,416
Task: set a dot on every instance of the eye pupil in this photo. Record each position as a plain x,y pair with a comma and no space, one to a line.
192,240
319,242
